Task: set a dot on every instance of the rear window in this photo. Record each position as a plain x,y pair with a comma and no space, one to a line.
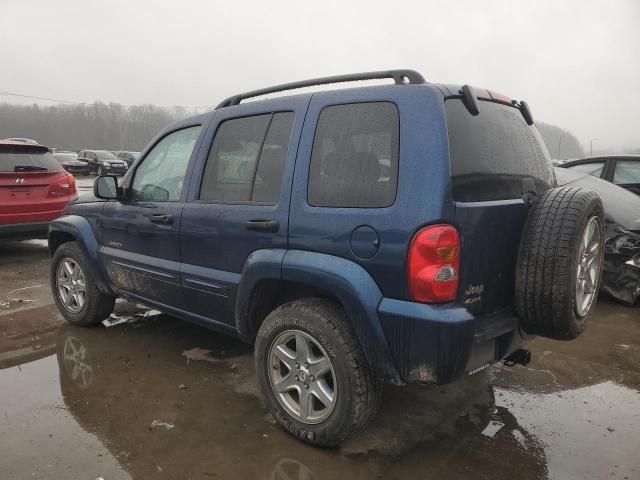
494,155
27,161
593,168
105,155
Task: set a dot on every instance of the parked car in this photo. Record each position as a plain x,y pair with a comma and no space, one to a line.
621,271
34,189
128,157
71,164
623,170
102,162
343,273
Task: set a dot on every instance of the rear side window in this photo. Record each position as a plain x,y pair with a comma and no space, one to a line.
247,159
16,161
354,161
494,155
592,168
627,172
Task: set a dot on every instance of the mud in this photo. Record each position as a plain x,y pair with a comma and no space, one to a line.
155,397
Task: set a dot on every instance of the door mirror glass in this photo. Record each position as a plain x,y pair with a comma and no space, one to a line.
106,188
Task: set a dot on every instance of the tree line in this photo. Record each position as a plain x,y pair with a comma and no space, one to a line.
116,127
96,126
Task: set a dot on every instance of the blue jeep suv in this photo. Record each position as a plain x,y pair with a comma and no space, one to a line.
409,232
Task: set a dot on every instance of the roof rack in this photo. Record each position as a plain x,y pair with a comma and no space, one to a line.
401,77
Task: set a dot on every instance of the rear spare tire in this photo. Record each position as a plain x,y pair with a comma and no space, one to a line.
560,262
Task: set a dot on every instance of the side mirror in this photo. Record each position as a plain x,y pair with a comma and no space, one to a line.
106,187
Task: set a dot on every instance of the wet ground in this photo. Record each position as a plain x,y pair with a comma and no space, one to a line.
155,397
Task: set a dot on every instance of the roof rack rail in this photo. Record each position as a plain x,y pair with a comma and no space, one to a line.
401,77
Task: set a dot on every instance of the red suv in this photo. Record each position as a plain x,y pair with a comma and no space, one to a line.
34,189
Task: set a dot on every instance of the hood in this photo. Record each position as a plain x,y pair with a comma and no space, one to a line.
620,205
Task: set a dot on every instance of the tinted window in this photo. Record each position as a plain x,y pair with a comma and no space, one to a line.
354,162
627,171
15,161
494,155
593,168
246,161
160,176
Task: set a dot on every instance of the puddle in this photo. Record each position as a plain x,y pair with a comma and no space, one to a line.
154,397
588,432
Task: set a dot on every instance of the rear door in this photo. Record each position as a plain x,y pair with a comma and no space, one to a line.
497,160
239,200
140,248
33,185
626,174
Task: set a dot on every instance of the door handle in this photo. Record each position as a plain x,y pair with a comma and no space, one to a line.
270,226
161,218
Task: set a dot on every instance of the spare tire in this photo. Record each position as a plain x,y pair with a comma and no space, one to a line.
560,262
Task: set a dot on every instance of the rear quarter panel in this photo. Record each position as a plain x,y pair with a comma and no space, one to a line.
423,193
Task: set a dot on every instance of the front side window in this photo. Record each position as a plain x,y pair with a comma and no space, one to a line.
247,159
627,172
354,161
592,168
160,177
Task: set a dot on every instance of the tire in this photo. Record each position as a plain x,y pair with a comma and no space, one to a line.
356,392
552,267
96,305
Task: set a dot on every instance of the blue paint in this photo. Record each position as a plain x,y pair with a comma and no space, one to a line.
206,266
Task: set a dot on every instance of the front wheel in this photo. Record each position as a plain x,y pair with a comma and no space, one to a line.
312,373
75,292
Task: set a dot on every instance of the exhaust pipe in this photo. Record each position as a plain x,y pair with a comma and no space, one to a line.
519,357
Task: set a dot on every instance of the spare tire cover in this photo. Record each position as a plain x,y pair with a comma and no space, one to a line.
559,265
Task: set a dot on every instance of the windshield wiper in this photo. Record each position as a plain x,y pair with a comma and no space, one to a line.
29,168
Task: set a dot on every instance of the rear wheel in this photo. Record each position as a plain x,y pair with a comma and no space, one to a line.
74,290
312,373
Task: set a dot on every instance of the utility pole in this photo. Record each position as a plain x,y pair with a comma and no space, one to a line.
591,146
559,147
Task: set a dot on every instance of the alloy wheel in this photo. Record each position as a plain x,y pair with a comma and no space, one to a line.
588,271
302,376
71,285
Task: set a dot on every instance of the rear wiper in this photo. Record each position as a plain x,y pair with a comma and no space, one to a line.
29,168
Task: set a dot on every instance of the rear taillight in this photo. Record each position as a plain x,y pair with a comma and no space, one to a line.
434,264
63,186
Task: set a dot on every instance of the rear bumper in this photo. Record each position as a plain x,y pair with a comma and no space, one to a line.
438,343
84,170
23,231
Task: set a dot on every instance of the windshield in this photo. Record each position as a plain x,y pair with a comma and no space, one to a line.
104,155
14,161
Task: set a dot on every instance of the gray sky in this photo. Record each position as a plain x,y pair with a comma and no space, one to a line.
577,62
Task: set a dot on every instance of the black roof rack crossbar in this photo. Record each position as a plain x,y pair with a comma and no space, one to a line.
400,77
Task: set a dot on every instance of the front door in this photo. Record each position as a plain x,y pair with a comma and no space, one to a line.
239,201
141,249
